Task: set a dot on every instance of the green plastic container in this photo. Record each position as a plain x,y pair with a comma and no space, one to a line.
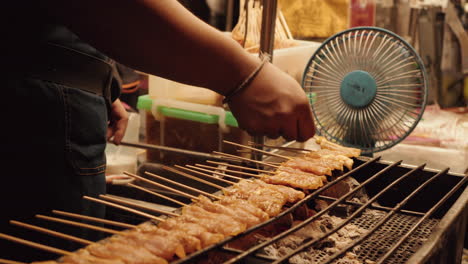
145,103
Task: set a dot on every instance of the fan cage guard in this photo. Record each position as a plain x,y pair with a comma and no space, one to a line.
394,105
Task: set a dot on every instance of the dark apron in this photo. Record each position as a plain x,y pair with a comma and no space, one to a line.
59,91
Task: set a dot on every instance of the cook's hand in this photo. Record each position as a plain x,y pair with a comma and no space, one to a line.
117,123
274,104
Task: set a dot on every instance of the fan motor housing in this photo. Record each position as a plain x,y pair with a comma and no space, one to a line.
358,89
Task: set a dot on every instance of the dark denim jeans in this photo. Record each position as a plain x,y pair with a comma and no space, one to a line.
52,155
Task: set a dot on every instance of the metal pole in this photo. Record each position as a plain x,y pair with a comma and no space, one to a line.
267,40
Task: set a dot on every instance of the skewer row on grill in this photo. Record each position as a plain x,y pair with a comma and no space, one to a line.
206,222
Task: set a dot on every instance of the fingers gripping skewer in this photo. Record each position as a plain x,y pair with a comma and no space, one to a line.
192,177
205,175
124,208
157,194
73,223
257,150
51,232
35,245
122,201
161,186
181,185
94,219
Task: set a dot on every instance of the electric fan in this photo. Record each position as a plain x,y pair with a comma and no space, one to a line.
369,88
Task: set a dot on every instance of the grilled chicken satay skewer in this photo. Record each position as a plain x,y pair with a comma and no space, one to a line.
94,219
157,184
156,194
51,232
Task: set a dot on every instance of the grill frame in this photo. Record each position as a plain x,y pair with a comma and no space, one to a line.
435,250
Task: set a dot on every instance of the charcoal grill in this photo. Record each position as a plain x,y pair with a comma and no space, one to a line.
410,214
417,215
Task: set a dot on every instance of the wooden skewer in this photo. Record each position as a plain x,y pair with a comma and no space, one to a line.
228,170
282,148
51,232
119,200
182,185
285,25
217,173
239,167
35,245
204,174
6,261
257,150
161,186
124,208
214,172
156,194
246,159
192,177
94,219
73,223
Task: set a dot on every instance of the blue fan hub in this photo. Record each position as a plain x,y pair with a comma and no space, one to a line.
358,89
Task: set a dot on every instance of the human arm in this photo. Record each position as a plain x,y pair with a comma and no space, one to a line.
163,38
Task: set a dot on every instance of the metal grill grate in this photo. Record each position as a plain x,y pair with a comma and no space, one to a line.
382,240
387,235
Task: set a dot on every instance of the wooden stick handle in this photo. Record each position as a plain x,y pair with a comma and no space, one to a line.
193,177
291,149
156,194
120,200
228,170
181,185
51,232
7,261
73,223
239,167
161,185
124,208
204,174
95,219
35,245
246,159
215,172
257,150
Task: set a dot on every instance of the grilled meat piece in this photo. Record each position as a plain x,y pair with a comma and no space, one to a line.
237,213
308,165
348,152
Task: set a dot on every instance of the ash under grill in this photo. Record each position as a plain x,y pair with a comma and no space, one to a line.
378,244
367,252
